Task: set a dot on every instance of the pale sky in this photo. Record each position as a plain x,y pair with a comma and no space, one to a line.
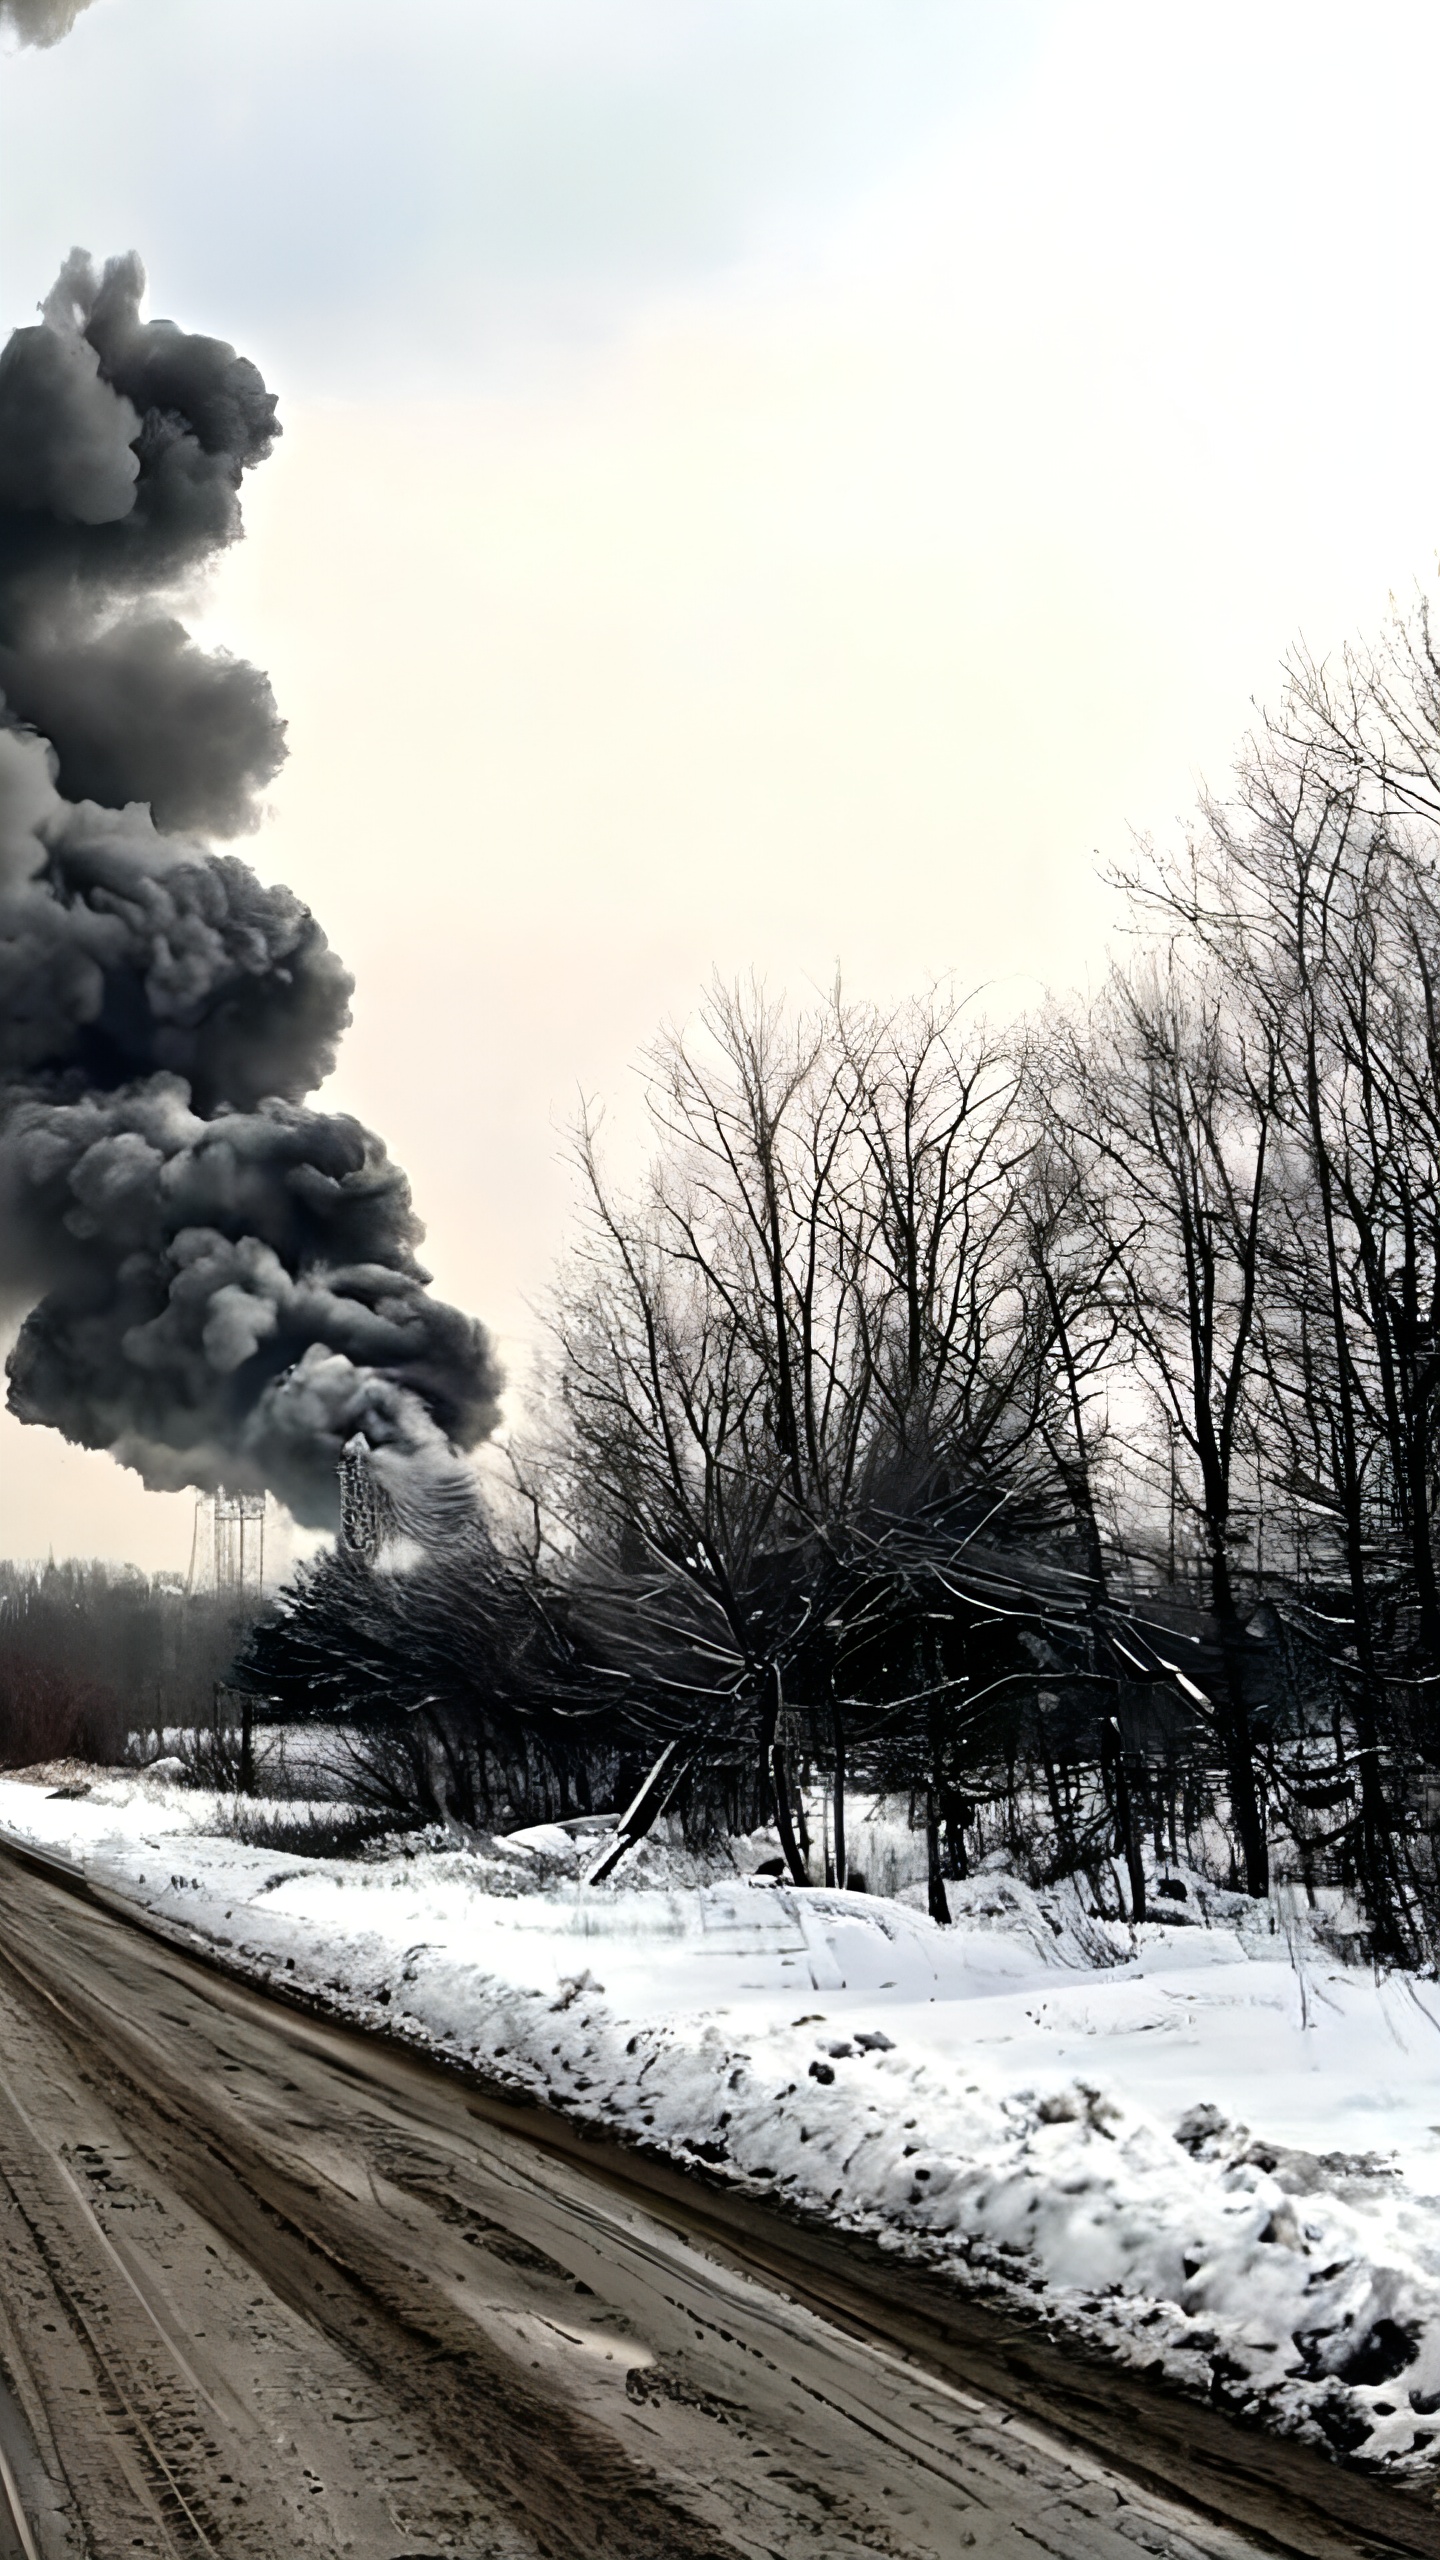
767,483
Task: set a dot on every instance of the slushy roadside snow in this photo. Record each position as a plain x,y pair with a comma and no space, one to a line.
1210,2146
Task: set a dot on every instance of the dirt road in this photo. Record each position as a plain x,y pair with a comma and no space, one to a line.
269,2288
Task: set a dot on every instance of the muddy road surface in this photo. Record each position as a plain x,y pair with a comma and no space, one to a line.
269,2289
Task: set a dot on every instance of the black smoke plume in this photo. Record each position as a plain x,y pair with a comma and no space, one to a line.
40,21
221,1285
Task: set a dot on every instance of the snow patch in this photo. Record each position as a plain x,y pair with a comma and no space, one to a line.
1209,2145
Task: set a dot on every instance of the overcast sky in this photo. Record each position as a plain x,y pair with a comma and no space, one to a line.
765,482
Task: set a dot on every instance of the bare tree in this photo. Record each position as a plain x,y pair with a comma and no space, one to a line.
815,1308
874,1399
1320,925
1166,1112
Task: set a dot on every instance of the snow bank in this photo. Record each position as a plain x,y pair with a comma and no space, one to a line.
1207,2145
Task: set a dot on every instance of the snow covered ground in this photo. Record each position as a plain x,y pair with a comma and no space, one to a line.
1211,2146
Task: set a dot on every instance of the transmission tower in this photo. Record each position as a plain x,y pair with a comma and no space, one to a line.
227,1551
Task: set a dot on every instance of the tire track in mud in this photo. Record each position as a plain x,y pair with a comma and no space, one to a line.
571,2488
135,2471
148,2445
598,2354
152,2402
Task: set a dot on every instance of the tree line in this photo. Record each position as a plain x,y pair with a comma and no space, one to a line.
1037,1422
97,1661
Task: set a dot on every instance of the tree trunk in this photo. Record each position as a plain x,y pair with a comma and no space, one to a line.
1065,1856
1239,1740
837,1727
934,1880
934,1872
802,1828
775,1767
1126,1838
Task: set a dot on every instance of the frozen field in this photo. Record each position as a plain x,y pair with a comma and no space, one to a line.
1212,2146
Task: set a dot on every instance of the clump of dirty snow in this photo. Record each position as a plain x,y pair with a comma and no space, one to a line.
1209,2146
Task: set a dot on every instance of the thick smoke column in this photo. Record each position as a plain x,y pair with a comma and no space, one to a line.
40,21
221,1284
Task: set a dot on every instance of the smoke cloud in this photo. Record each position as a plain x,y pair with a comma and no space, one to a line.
221,1284
122,445
39,21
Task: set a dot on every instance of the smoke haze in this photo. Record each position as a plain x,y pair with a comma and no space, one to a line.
40,21
220,1284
